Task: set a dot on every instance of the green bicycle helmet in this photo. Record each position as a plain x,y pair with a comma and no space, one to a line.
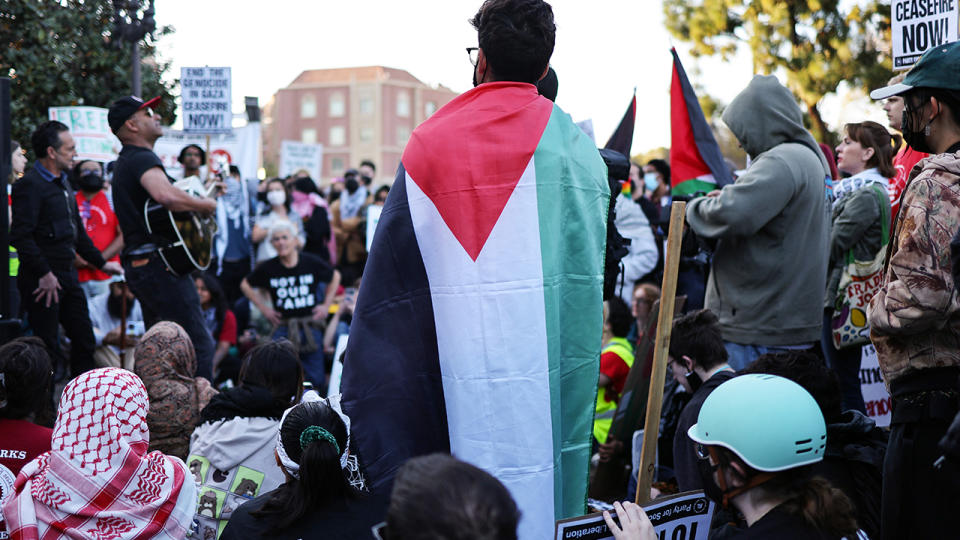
770,422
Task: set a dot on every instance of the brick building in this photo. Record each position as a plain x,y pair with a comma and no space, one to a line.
356,113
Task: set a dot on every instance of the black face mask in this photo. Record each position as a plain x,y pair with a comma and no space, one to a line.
351,185
366,180
334,195
915,139
710,487
693,380
90,183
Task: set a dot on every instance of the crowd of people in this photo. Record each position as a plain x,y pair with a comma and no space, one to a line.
149,401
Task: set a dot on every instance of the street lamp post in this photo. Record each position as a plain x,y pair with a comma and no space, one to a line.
130,26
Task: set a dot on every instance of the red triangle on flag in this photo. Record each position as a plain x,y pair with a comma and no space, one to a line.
469,156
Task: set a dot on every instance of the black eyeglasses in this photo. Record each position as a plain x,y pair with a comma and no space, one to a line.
380,531
474,54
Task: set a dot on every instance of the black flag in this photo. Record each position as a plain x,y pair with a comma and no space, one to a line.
622,138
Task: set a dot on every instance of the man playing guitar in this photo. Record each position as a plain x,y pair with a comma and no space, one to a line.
139,175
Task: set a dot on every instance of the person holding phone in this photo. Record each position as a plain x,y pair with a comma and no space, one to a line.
109,313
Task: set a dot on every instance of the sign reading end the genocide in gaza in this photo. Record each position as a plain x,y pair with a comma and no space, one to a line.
205,94
919,25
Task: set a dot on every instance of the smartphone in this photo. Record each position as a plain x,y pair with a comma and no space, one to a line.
135,328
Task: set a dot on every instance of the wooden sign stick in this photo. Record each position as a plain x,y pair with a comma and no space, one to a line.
668,291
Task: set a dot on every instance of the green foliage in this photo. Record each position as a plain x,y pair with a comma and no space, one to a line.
815,42
59,53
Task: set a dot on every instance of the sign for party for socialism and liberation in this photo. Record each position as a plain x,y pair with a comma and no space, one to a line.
919,25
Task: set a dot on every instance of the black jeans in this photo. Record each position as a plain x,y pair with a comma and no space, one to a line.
70,311
165,297
919,500
231,274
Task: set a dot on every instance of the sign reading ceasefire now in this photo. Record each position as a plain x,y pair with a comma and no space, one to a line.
205,94
920,25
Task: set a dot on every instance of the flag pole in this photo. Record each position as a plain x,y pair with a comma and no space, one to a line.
651,427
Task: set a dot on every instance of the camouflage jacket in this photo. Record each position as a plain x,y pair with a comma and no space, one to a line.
915,317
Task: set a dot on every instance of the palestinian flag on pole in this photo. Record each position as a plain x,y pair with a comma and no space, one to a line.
478,324
622,139
696,163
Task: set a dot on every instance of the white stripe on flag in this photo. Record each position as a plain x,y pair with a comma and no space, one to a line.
492,342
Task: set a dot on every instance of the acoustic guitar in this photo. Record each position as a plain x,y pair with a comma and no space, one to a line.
185,238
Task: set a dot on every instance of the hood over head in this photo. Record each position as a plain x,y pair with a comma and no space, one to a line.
765,114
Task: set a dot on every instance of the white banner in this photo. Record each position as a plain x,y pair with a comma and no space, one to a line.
875,395
205,97
90,130
295,156
241,147
918,25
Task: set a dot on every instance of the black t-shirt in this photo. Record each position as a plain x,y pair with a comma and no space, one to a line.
129,195
342,520
293,290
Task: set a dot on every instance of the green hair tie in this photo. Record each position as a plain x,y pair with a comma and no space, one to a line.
317,433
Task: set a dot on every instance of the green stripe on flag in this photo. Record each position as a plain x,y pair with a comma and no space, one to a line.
572,202
689,187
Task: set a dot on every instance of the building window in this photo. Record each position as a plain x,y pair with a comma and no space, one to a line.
403,104
308,136
403,134
430,108
308,106
366,106
337,107
338,136
336,164
366,134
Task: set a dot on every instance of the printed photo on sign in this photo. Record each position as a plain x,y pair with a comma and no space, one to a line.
685,516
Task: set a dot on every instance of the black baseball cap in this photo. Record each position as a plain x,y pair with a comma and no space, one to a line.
123,108
939,67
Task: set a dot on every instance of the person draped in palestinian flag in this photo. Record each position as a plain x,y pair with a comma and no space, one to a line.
478,326
98,480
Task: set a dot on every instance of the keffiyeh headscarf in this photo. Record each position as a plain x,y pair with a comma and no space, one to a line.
166,362
97,480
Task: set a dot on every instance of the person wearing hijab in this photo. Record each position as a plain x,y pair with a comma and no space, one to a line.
99,480
166,362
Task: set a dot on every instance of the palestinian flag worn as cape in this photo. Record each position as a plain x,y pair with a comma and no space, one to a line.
696,162
478,324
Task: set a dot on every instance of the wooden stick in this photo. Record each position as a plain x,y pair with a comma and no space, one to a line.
651,427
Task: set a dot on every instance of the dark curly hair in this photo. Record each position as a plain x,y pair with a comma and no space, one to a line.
517,38
697,335
28,376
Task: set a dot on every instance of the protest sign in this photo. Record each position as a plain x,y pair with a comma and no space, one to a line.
90,131
918,25
685,516
241,147
205,96
295,156
875,395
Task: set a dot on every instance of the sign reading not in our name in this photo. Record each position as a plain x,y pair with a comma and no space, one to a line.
685,516
205,95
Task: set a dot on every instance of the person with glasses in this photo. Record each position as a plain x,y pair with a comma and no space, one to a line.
139,175
486,278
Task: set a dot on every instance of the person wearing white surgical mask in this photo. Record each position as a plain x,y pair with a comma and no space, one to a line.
279,209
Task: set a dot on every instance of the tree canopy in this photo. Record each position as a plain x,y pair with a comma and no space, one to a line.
815,42
62,53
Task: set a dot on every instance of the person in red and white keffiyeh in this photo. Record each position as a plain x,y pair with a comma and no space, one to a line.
98,480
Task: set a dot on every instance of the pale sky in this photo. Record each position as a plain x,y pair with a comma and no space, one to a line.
604,49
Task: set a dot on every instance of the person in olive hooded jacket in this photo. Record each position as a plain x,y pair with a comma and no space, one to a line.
771,227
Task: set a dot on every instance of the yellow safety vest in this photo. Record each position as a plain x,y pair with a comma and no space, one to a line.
603,417
14,262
